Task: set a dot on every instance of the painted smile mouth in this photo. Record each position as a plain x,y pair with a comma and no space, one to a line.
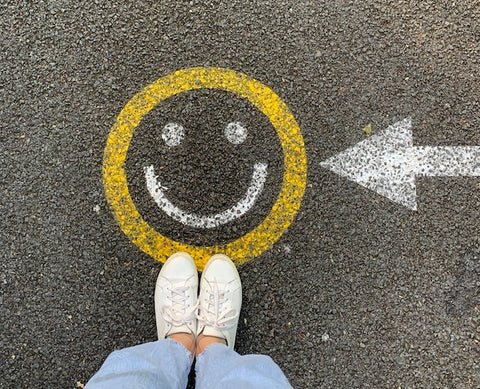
157,191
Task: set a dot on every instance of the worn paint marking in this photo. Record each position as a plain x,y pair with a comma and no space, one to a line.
388,163
210,221
263,98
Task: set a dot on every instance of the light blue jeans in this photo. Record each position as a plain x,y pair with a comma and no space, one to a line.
166,363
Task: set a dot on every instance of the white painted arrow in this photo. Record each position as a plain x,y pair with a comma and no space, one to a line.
388,163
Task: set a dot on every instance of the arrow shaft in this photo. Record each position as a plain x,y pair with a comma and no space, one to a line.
447,161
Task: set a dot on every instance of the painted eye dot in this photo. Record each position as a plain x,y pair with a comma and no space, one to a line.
173,134
236,133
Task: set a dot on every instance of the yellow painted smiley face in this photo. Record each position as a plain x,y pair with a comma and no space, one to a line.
253,243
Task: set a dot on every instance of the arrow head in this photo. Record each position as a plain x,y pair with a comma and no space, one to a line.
381,163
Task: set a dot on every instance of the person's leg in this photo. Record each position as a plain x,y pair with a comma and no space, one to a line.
218,366
219,303
165,363
161,364
176,300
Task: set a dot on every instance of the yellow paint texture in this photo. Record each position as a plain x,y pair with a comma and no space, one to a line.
263,98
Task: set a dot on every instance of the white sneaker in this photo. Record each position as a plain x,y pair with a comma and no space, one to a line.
220,299
176,296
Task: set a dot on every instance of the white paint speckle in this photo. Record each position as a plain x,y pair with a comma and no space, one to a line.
96,209
173,134
236,133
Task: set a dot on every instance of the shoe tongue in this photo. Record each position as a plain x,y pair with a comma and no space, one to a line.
177,329
211,331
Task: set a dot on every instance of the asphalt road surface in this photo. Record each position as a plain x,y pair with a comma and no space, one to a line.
358,291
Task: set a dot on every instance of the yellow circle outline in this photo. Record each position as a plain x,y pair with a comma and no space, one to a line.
264,99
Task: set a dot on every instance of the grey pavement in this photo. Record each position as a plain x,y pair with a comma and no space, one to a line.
358,292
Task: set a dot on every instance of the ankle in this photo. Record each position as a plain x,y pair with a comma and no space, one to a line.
203,341
186,340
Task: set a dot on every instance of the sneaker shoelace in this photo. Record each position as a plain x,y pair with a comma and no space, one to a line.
212,313
179,313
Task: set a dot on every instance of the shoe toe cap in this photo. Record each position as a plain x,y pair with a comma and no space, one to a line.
179,267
